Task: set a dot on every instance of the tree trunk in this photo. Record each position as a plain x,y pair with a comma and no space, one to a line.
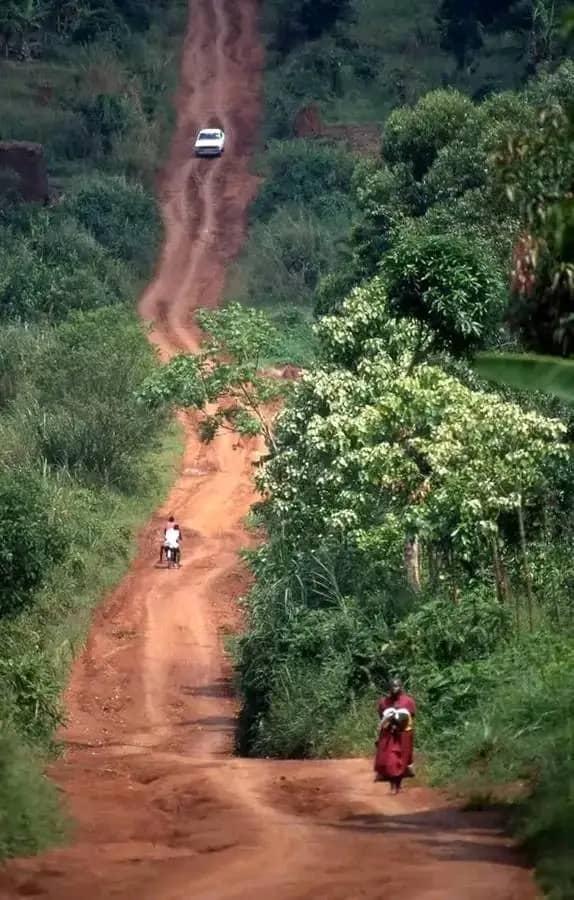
454,586
527,574
499,575
412,563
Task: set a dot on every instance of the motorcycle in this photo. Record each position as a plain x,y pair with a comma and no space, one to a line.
172,556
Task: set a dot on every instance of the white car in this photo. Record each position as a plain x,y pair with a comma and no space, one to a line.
210,142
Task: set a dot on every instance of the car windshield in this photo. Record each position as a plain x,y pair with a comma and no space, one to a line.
209,135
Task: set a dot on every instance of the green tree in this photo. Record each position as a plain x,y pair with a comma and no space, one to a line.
303,20
32,539
450,285
19,19
415,135
224,381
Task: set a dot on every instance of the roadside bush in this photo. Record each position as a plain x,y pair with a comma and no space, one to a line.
304,700
107,117
32,538
286,256
122,216
31,686
518,726
30,817
32,288
58,238
304,172
85,415
445,633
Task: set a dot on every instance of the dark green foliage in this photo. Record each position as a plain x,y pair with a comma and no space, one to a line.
309,649
87,419
30,817
32,540
107,116
463,23
122,216
295,21
32,288
53,263
444,633
448,284
312,173
15,350
33,27
332,290
387,198
285,258
414,136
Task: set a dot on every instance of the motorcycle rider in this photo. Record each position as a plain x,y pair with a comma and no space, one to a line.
173,541
162,550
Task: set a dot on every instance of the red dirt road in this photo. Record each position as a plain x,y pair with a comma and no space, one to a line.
163,811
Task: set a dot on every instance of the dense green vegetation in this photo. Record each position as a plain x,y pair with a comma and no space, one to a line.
417,521
357,60
81,460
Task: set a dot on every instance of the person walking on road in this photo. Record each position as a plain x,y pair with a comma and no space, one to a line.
395,744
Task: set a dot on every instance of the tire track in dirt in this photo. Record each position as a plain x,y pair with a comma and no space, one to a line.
163,810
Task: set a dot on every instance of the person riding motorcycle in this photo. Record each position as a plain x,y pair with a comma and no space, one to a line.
172,542
170,527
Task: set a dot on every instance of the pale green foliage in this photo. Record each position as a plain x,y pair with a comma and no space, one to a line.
385,453
223,380
365,327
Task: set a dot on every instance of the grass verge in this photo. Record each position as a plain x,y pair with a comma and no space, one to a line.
38,646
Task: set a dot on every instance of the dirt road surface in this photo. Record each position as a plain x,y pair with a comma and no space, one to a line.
163,811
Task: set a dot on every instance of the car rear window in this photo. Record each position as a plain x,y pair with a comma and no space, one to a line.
209,135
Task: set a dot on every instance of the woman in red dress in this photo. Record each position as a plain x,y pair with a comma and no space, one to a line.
394,757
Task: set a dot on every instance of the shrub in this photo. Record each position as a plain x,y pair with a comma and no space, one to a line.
86,418
30,818
285,258
445,633
312,173
32,539
448,283
33,288
415,135
106,117
518,725
122,216
16,348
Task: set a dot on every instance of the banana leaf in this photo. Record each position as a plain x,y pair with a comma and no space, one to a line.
529,372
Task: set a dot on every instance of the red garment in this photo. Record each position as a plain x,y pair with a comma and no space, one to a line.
395,748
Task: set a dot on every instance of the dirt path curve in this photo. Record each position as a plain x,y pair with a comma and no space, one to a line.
163,810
